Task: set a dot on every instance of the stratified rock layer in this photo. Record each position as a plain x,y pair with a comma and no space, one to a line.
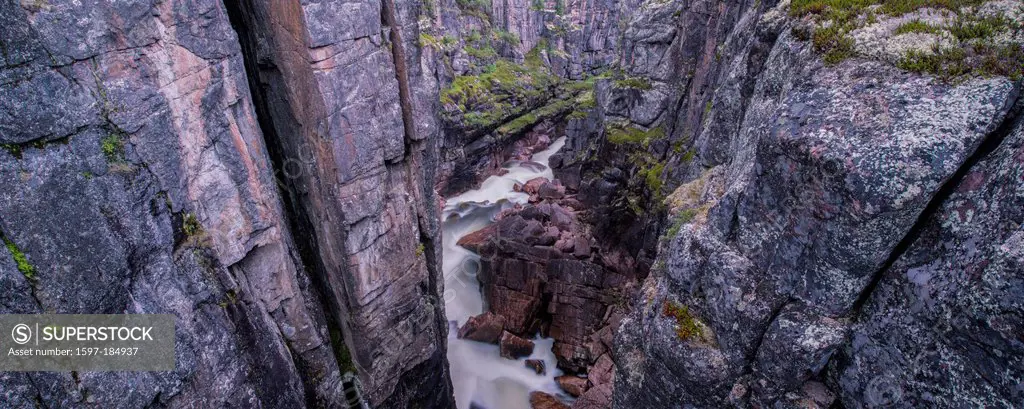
144,148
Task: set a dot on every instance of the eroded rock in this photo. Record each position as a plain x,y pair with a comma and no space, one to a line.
486,327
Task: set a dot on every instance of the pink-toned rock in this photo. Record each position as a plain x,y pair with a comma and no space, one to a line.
581,247
565,245
603,371
541,400
531,187
573,385
474,240
514,347
598,397
550,191
486,327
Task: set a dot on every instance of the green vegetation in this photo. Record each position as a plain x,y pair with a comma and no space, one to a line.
619,133
684,216
341,352
975,49
20,259
533,59
633,83
113,148
966,28
481,53
652,177
443,44
190,225
552,109
420,249
833,42
584,102
687,326
504,89
916,26
505,37
13,149
688,156
843,10
230,298
476,8
16,149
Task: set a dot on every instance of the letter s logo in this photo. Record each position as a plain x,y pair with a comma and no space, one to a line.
21,334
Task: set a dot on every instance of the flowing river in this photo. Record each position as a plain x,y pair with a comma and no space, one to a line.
481,377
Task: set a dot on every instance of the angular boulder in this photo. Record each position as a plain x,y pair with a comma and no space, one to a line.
537,366
532,186
573,385
541,400
514,347
486,327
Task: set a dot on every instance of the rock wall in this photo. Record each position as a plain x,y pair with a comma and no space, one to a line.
820,247
573,40
285,216
343,112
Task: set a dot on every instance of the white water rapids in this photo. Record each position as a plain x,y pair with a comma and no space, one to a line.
481,377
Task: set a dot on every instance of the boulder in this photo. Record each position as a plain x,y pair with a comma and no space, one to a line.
603,371
537,365
550,190
581,247
513,346
532,186
573,385
541,400
486,327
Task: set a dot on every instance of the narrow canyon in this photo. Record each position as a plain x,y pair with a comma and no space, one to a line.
515,204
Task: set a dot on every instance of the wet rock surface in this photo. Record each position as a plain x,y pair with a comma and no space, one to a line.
541,400
514,347
541,274
536,365
573,385
486,327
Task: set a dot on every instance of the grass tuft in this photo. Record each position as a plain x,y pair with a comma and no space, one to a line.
916,26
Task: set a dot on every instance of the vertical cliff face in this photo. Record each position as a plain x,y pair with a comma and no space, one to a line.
271,188
817,250
351,124
137,180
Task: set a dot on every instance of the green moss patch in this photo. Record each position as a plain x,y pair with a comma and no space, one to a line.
639,83
501,91
20,259
687,325
619,134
